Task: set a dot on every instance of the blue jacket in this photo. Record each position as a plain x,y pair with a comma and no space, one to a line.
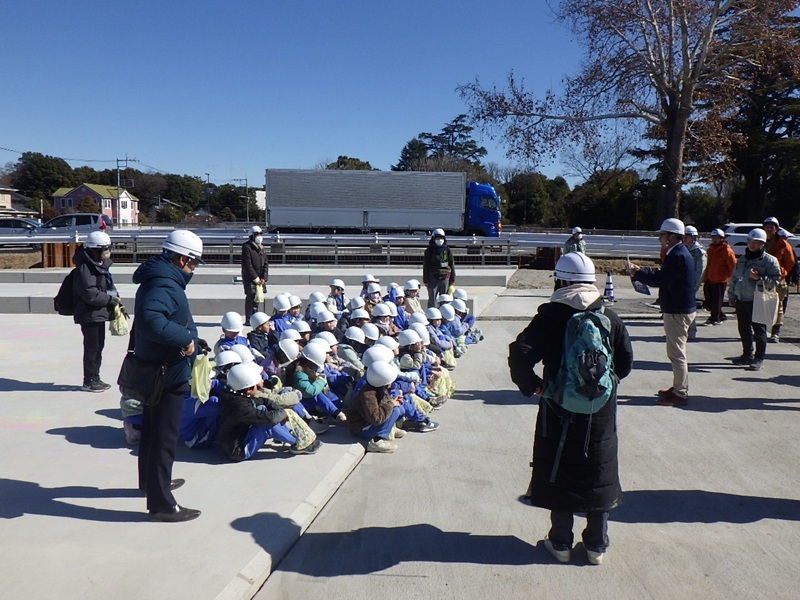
163,323
675,281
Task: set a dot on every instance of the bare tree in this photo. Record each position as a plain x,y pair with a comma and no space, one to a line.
646,61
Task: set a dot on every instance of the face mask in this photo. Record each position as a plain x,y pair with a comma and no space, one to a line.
105,254
439,242
258,239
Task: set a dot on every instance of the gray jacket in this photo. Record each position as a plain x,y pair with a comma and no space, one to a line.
741,287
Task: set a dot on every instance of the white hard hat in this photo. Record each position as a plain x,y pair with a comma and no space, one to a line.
328,337
359,313
315,308
370,331
422,331
185,243
281,303
244,376
321,342
381,310
448,312
380,374
399,292
355,334
97,239
232,321
255,229
257,319
459,305
460,294
316,297
411,284
301,326
673,226
315,353
438,232
244,352
433,314
290,348
356,302
373,288
337,283
575,267
388,341
369,277
772,220
690,230
717,233
227,357
757,234
408,337
291,334
392,309
418,317
576,230
294,301
325,316
376,353
445,298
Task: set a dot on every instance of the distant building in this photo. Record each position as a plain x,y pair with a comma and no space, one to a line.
12,204
124,212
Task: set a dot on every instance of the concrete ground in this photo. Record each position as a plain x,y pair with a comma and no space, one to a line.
712,506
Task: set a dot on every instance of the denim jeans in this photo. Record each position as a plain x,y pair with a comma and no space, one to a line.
383,430
595,536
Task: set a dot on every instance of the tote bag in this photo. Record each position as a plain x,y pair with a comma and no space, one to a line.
765,305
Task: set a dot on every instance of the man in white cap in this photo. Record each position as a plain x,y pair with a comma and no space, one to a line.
575,243
676,282
255,269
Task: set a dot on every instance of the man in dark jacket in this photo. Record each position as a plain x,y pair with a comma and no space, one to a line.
255,270
95,298
164,332
438,267
675,281
575,467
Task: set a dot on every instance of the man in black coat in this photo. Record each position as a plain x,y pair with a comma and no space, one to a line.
575,467
255,270
95,298
675,281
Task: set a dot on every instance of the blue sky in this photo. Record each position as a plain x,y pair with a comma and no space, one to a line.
230,87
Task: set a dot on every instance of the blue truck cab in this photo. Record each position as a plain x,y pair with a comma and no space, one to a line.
483,210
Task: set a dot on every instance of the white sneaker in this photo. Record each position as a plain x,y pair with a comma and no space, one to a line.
595,558
561,556
398,433
384,446
341,417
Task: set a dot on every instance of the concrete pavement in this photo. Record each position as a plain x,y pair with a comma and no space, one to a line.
713,502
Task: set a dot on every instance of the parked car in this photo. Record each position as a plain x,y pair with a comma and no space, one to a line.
80,222
14,225
736,235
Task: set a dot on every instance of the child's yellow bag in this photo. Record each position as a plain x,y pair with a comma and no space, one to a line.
201,378
118,325
259,293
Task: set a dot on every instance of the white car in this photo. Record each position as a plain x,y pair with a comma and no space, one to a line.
736,235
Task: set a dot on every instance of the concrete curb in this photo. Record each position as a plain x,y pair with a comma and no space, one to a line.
258,569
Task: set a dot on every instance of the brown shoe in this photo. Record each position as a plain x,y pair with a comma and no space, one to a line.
662,393
672,399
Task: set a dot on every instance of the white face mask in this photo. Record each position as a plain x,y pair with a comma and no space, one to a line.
439,242
105,254
257,239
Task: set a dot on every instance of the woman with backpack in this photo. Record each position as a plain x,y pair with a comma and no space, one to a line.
575,468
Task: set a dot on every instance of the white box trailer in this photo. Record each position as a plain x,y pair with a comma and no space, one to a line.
365,201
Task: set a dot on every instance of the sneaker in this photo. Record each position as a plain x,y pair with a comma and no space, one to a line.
561,556
755,365
310,449
710,322
595,558
397,433
95,386
381,445
341,417
742,360
774,338
665,392
672,399
132,435
318,427
428,425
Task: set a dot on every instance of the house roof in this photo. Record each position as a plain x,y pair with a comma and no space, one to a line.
104,191
62,192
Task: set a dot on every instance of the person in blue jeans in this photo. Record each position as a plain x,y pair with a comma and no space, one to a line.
373,412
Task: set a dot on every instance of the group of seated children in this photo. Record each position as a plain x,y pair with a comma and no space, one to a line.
378,364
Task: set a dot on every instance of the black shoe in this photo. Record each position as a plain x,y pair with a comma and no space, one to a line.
173,485
756,365
95,386
310,449
742,360
176,515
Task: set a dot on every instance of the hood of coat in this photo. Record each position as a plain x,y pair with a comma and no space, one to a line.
82,257
160,267
580,296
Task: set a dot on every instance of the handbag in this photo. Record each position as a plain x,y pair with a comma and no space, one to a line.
140,380
765,305
258,293
118,325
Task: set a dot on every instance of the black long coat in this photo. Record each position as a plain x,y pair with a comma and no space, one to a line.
587,476
254,264
93,289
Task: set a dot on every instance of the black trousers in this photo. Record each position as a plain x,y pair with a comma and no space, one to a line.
160,429
749,331
94,340
715,294
250,305
595,536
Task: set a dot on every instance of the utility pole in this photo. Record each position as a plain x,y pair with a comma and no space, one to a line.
208,197
246,197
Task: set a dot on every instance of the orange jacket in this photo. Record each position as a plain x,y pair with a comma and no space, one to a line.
721,261
783,251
